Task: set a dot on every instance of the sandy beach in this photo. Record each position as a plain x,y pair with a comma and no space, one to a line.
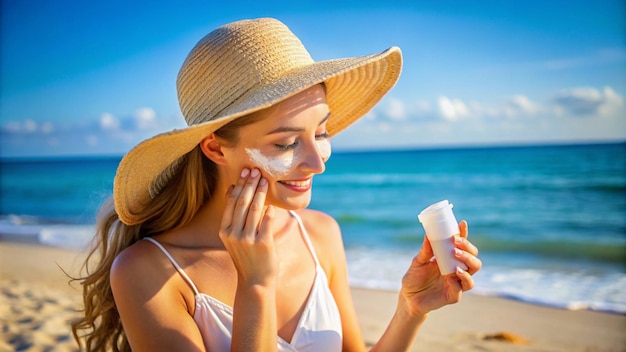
37,304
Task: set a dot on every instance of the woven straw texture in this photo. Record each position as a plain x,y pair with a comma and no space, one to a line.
238,69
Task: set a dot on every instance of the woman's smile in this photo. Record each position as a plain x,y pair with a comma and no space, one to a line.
301,185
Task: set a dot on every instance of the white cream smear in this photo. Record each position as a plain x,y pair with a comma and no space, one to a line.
275,167
323,148
281,166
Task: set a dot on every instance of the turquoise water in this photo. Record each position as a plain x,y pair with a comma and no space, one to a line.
550,221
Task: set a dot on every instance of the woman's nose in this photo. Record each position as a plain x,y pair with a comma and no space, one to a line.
315,159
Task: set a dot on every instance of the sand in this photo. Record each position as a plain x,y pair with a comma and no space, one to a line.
36,305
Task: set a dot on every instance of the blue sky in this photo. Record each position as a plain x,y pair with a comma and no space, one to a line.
97,77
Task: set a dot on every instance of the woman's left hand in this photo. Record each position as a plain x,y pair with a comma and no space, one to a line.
424,289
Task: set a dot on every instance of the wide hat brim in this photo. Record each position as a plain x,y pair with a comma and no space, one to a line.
353,87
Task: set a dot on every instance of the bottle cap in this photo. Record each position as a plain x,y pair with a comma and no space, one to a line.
438,221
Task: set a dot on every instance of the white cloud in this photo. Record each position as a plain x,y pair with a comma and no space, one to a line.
479,109
587,101
513,119
520,105
106,134
451,109
384,127
108,122
396,109
423,107
371,115
12,127
47,128
394,122
514,106
145,118
613,102
30,126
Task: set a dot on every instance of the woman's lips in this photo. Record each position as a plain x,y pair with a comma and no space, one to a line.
298,185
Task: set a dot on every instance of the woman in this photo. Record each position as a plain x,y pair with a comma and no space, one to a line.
209,245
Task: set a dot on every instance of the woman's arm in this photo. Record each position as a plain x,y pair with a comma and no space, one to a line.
423,289
150,304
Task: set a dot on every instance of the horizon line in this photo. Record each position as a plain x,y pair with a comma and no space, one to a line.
349,150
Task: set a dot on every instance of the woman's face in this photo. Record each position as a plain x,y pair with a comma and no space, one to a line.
289,144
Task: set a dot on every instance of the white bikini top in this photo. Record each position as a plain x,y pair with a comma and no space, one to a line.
319,327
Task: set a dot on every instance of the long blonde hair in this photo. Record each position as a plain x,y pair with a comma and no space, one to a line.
190,186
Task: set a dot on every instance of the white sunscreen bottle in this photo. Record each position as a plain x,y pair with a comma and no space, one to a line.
440,225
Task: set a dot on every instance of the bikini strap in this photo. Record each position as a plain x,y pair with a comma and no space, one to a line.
305,235
178,268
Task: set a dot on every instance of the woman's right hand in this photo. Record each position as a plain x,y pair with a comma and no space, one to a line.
246,230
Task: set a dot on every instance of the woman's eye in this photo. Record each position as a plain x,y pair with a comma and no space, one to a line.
322,135
285,147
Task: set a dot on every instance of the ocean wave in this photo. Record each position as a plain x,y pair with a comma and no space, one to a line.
573,290
610,252
606,252
347,218
583,287
45,231
592,238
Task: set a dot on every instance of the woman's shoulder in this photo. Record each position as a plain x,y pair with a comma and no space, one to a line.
325,235
319,223
141,263
139,254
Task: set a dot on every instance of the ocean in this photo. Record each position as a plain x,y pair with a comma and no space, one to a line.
550,221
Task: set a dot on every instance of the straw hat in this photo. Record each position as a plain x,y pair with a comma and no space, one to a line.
237,69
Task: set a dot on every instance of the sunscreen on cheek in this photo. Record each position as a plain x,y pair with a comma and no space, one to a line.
323,148
275,167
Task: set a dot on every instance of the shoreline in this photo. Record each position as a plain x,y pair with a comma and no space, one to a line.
38,303
488,323
510,299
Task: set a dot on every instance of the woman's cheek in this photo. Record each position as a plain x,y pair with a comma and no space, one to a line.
276,167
